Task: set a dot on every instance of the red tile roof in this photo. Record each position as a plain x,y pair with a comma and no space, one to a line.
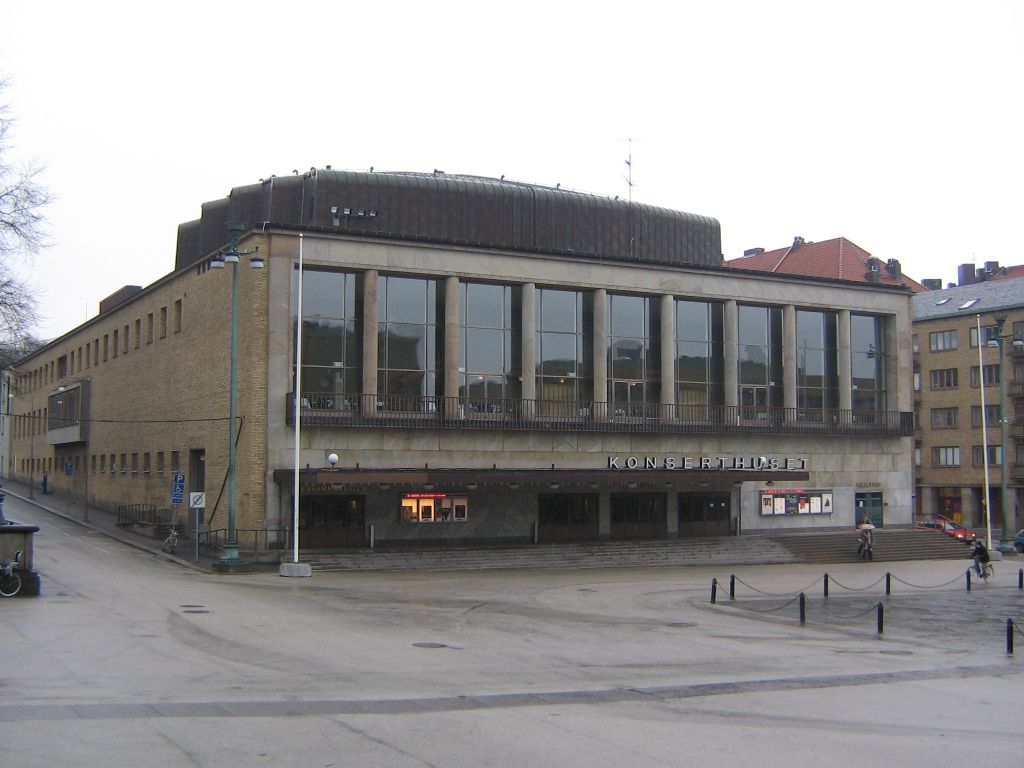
836,259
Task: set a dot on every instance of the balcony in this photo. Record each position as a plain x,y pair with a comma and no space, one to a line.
327,410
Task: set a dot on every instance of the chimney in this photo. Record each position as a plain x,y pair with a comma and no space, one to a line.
965,275
753,251
797,242
991,267
874,273
893,266
932,283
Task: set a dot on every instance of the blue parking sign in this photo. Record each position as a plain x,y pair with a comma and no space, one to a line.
178,489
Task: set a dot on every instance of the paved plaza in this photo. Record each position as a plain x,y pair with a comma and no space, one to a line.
129,657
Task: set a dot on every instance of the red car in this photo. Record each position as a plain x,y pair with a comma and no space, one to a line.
949,528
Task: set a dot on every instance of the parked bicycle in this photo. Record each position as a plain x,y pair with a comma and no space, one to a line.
171,542
10,581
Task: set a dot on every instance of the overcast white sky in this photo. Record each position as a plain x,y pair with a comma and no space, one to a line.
898,125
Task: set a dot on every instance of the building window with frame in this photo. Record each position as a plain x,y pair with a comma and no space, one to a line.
995,455
945,418
944,378
149,328
331,339
565,370
160,462
408,355
163,322
868,360
177,315
175,461
942,341
946,456
490,347
138,332
699,357
434,508
817,377
990,374
991,415
634,362
917,454
988,332
759,334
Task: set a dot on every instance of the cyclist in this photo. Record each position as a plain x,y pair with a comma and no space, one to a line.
981,558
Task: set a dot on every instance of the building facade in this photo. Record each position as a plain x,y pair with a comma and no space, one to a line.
481,361
968,348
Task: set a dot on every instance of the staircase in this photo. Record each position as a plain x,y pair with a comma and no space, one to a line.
889,545
728,550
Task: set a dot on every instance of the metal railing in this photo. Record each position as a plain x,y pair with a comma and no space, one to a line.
328,409
249,539
142,514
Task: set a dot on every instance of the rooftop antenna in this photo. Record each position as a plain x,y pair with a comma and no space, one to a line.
629,169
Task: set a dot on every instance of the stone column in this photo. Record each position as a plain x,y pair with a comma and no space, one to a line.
672,513
452,377
731,330
845,363
789,361
604,515
668,356
600,353
371,322
529,351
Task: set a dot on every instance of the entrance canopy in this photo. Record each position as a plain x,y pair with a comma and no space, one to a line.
355,479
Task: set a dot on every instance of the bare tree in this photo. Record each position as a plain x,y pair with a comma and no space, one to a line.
22,200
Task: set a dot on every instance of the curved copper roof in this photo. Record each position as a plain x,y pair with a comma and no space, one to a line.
459,210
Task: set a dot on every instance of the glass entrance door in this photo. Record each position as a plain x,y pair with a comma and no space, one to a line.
869,505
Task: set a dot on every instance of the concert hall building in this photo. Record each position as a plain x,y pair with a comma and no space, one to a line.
482,361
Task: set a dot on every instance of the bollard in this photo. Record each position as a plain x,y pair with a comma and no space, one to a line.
1009,636
732,587
826,585
881,618
1020,579
803,608
968,579
888,583
714,590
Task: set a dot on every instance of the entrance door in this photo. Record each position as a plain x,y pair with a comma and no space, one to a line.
704,514
567,517
332,522
869,505
638,516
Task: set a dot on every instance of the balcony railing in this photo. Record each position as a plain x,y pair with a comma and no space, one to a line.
325,410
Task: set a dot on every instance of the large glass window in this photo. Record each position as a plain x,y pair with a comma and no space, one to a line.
331,364
867,352
817,379
408,356
760,360
634,375
490,361
699,362
565,371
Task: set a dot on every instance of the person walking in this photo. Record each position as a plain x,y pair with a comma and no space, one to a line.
866,540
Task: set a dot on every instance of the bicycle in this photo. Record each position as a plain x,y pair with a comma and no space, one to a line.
985,571
171,542
10,581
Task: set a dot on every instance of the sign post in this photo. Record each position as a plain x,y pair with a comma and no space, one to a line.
196,505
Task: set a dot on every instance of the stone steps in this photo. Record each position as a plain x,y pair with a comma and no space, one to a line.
745,550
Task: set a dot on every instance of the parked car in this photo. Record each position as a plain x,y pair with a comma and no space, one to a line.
949,528
1018,541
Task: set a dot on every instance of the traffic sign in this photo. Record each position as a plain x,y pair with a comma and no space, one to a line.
197,500
178,489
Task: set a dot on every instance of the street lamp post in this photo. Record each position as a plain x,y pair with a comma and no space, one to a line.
236,229
1006,502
